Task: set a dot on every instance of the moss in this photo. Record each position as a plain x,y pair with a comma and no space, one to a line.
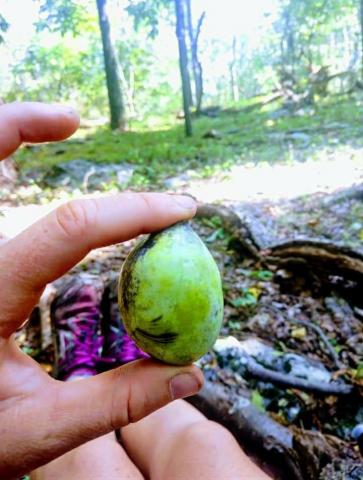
163,151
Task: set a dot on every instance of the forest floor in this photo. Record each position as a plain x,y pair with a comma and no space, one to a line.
287,177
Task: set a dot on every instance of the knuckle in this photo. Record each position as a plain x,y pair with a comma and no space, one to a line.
145,199
119,401
76,217
125,403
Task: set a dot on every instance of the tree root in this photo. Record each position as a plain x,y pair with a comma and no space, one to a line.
326,257
291,381
234,225
324,339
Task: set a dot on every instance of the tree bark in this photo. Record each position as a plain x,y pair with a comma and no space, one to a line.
326,258
115,96
183,64
196,64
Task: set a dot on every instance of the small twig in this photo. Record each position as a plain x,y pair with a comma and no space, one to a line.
88,175
287,380
324,339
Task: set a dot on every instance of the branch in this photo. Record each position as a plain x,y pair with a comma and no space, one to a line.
290,381
198,28
324,339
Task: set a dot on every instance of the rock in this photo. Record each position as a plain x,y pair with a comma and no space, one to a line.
124,174
178,181
213,134
84,174
302,367
230,349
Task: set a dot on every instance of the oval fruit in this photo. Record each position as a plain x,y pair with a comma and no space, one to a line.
170,295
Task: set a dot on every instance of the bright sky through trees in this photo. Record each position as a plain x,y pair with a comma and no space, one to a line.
223,20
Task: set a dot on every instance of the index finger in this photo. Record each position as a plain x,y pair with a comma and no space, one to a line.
34,122
54,244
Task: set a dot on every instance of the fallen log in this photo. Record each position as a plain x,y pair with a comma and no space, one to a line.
256,432
291,453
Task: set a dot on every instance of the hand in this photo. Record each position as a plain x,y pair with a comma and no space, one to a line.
42,418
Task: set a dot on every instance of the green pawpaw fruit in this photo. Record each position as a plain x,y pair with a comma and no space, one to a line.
170,295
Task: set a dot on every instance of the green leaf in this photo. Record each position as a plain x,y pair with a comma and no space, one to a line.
359,372
247,300
257,400
263,275
217,234
234,325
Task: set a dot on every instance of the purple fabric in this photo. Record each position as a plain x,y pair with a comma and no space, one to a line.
130,351
119,347
82,350
76,319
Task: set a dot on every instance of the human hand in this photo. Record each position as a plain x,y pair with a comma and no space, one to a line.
42,418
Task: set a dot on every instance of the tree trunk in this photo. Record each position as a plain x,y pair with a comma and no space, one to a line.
196,64
115,97
183,64
233,72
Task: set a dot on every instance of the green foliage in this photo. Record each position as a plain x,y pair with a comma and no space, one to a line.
66,16
213,222
162,152
147,13
263,275
61,72
307,33
305,38
248,298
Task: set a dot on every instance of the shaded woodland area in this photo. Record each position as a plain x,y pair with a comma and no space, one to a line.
260,119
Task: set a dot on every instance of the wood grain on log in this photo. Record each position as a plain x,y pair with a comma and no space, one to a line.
324,256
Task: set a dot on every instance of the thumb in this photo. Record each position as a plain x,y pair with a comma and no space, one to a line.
124,395
72,413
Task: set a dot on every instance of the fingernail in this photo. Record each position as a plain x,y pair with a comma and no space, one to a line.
185,202
184,385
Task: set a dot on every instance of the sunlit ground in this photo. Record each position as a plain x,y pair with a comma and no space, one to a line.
327,173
